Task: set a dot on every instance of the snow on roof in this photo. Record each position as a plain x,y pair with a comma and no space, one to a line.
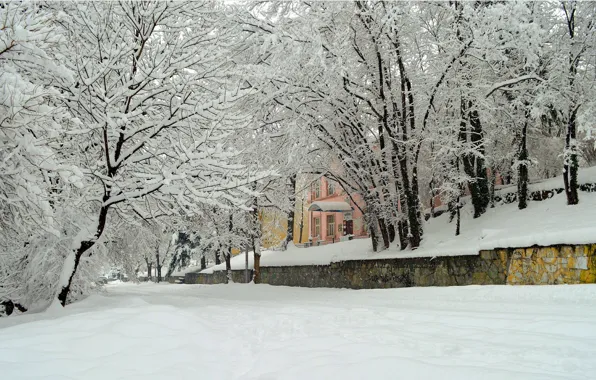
330,206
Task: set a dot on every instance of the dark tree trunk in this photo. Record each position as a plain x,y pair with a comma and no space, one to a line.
570,168
402,225
149,269
571,162
373,237
416,197
84,246
301,220
158,266
522,168
257,267
217,258
392,232
473,164
228,258
458,215
203,262
493,182
228,254
384,233
477,140
291,211
412,207
256,241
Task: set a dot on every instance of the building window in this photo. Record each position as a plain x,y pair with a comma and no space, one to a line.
330,187
317,227
317,189
330,225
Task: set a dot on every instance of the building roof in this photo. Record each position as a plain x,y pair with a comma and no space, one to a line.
330,206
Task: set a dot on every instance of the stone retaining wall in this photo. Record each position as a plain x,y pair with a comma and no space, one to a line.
560,264
217,277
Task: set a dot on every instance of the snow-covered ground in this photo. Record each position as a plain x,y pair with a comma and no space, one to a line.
261,332
585,176
544,223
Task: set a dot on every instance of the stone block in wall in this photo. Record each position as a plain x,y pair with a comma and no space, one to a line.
588,276
559,264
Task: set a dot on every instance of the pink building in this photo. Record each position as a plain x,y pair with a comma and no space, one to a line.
333,216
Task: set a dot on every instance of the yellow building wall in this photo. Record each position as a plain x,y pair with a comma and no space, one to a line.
297,216
274,226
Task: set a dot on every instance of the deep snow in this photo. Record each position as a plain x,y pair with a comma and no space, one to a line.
261,332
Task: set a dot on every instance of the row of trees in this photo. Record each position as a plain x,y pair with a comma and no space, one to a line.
114,115
118,118
419,99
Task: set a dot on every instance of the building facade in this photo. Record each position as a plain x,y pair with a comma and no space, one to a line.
333,215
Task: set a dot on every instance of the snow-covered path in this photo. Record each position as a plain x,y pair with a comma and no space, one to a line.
262,332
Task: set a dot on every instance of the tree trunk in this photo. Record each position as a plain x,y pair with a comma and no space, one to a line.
217,258
256,242
477,139
149,269
384,233
301,220
402,225
246,279
73,260
292,200
228,258
158,266
458,215
522,168
474,163
373,237
570,168
203,262
571,163
412,206
493,182
228,255
257,261
392,232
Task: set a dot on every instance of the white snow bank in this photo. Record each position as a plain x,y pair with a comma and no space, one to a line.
547,222
584,176
319,255
192,268
262,332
